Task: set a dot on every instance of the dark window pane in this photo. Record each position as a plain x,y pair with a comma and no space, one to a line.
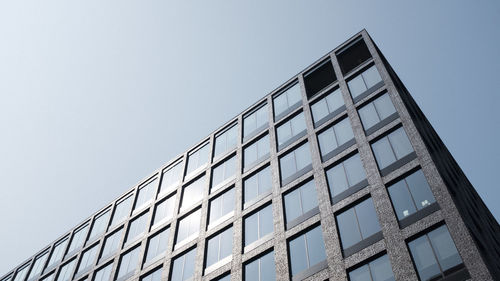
424,259
444,248
401,200
383,152
400,143
381,269
360,274
420,189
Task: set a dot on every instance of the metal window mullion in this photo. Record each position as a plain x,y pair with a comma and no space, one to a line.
345,175
307,251
392,148
300,200
258,224
218,250
411,195
370,271
357,222
376,111
335,135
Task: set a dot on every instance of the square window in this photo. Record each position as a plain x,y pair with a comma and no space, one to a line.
197,159
291,129
261,269
258,225
193,193
391,148
122,210
226,141
171,177
294,163
359,85
307,250
223,173
188,226
164,211
183,266
146,193
334,139
318,78
353,55
255,122
128,263
377,111
378,269
289,99
257,184
346,175
300,201
256,152
221,205
219,247
137,227
157,245
327,107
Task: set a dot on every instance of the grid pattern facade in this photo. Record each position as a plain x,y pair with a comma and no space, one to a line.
325,178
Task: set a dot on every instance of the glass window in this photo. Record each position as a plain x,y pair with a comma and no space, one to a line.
49,277
88,259
21,273
335,136
153,276
146,194
171,177
219,247
357,223
434,253
391,148
226,141
254,121
411,194
295,161
188,226
197,159
100,225
256,151
376,111
78,238
287,99
157,245
8,278
377,270
261,269
300,201
224,172
364,81
164,211
129,262
345,175
57,252
122,211
137,227
291,128
104,274
38,265
221,205
226,277
66,271
307,250
192,193
183,266
258,225
111,244
258,184
327,105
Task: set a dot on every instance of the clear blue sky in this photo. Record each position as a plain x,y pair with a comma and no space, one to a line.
95,95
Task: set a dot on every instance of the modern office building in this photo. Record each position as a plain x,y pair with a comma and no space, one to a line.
335,175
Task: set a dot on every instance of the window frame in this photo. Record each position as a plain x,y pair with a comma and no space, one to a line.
350,189
340,148
262,195
399,162
298,172
224,132
293,137
220,260
260,239
311,269
178,164
259,159
382,122
256,131
331,114
291,107
305,215
190,173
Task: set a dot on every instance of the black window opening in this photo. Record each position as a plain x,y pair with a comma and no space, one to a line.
319,78
352,55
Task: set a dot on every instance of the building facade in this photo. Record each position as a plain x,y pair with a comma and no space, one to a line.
335,175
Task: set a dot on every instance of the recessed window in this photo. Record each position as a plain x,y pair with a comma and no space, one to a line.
193,193
257,184
256,152
335,139
66,271
307,250
50,276
100,225
291,129
111,244
353,55
157,245
261,269
289,99
319,78
359,85
137,227
146,194
377,111
21,273
226,277
57,252
153,276
128,263
197,159
255,121
122,210
104,274
328,106
345,175
357,223
38,265
434,254
410,195
7,278
88,259
188,226
171,177
78,238
219,247
226,141
258,225
300,201
221,205
183,266
164,211
376,270
223,173
391,148
294,163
